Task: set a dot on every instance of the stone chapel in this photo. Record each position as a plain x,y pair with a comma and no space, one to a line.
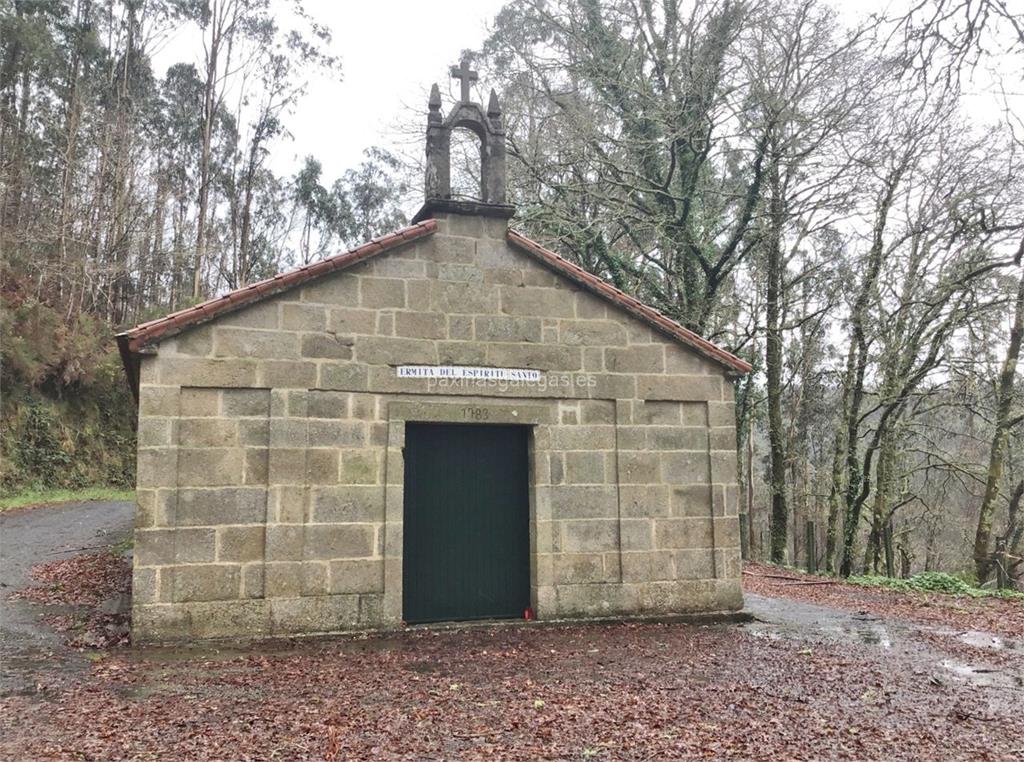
448,423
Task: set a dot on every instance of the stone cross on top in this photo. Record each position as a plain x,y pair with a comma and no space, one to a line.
465,75
484,123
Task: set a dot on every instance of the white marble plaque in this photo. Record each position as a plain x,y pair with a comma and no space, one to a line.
468,372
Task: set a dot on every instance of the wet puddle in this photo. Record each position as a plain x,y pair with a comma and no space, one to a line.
985,677
980,639
782,619
778,618
877,635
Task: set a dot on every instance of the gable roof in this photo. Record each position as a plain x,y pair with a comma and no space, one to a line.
632,305
134,342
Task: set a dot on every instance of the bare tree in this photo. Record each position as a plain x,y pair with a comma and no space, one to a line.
1006,419
805,94
627,144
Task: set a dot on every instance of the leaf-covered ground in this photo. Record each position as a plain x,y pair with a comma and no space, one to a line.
621,691
995,615
87,589
85,580
616,691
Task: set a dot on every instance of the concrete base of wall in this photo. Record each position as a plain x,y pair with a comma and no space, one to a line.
198,627
334,614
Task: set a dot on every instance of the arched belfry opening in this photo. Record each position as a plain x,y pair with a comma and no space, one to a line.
487,126
466,161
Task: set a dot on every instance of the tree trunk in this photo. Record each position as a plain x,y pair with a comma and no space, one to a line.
754,551
220,29
997,455
835,496
13,120
243,266
204,173
773,372
71,124
880,507
857,360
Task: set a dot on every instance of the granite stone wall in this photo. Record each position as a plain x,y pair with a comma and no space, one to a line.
270,467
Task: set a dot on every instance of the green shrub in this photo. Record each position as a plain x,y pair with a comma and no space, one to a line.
85,439
939,582
39,453
67,418
42,350
933,582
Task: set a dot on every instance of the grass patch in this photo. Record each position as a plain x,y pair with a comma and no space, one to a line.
934,582
36,497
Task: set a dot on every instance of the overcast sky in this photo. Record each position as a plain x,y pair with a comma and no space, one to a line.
391,51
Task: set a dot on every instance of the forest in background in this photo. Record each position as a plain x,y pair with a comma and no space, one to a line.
816,197
130,193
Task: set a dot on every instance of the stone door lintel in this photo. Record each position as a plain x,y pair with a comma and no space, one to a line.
472,411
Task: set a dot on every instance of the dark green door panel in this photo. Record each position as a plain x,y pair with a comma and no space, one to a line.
466,545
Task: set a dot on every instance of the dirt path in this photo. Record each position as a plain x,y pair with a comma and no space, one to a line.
31,652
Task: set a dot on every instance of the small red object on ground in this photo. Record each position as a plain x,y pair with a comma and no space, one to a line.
528,614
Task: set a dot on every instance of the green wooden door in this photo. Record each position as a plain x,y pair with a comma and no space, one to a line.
466,541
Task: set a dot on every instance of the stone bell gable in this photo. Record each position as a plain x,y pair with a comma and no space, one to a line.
276,422
488,128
